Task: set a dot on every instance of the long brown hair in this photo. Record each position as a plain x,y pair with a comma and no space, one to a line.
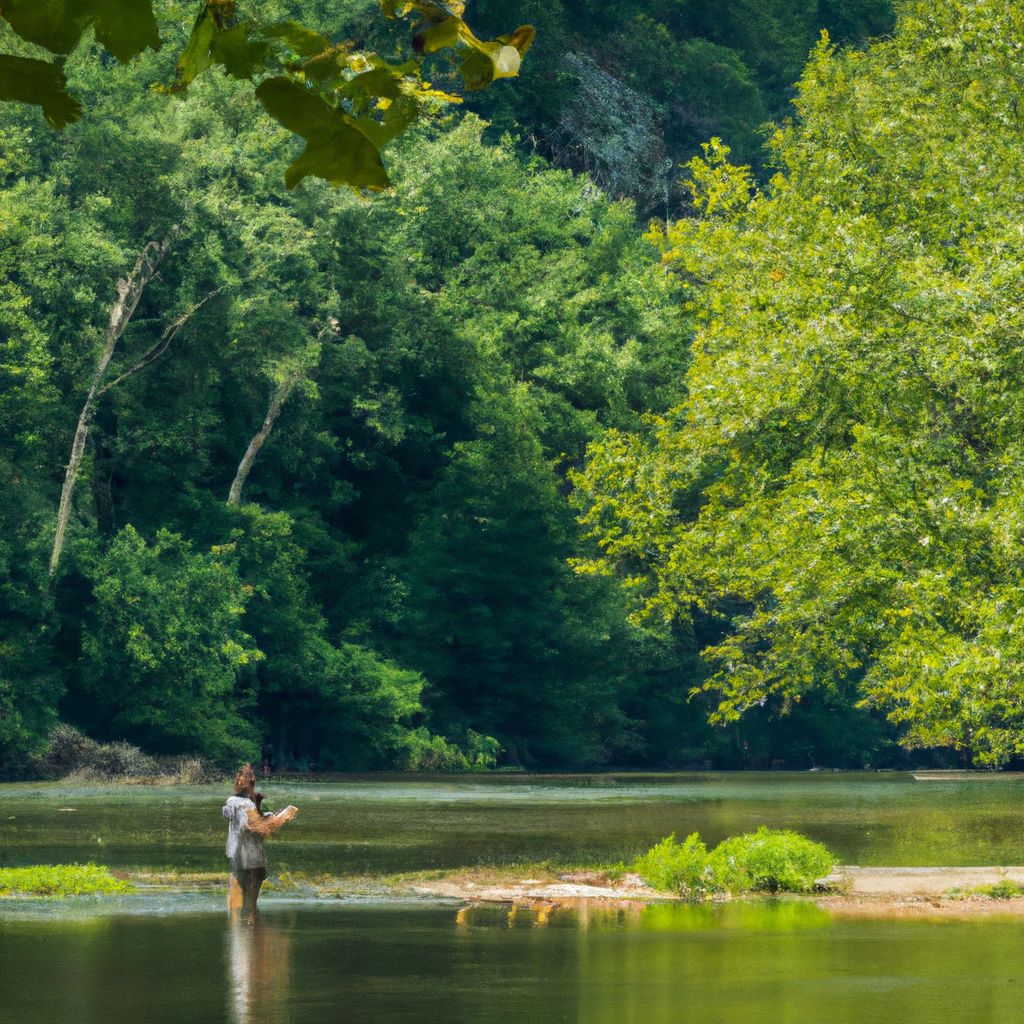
245,781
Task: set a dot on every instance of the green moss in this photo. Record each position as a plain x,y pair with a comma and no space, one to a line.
60,880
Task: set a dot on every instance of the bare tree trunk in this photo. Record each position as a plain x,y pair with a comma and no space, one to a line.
242,473
298,370
128,294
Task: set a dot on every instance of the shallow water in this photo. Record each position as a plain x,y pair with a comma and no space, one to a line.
395,823
784,963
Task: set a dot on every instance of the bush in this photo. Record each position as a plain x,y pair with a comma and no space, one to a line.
1004,890
66,750
763,861
676,867
190,771
60,880
769,861
425,751
121,760
70,752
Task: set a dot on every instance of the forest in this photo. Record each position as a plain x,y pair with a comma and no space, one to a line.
662,411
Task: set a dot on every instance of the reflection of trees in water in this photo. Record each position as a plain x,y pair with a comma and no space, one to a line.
259,971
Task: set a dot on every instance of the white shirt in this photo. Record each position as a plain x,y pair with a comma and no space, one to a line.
244,848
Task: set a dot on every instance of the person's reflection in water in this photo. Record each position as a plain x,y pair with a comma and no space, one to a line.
259,966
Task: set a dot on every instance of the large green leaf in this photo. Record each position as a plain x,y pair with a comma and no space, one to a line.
196,56
449,32
56,25
381,109
488,59
395,119
302,41
336,149
241,55
124,27
477,70
35,81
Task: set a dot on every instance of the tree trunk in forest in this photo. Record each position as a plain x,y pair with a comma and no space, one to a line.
242,473
128,294
297,370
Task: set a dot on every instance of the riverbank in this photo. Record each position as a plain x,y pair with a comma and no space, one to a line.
848,891
927,891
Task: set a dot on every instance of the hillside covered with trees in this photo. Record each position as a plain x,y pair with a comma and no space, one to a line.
480,469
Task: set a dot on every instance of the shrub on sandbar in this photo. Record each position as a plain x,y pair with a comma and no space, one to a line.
768,860
676,867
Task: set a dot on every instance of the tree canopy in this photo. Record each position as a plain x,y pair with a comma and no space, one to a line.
483,308
299,469
841,485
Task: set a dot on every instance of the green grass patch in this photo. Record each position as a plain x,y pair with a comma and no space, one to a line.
61,880
768,860
1004,890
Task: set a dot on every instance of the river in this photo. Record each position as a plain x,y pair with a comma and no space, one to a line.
176,958
405,823
764,963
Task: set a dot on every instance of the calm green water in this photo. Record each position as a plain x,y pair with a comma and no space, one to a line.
744,964
408,823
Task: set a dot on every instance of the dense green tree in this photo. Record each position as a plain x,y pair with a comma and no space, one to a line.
161,648
336,706
843,480
362,347
512,644
349,426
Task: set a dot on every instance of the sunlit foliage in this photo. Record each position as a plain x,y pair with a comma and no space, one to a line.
842,484
344,101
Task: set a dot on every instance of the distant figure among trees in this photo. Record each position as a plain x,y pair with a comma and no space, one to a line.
248,824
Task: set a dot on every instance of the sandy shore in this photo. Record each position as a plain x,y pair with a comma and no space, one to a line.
850,890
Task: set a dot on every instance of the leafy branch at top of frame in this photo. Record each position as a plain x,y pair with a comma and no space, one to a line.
345,102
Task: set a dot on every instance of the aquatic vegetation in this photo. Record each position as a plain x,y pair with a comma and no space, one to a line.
61,880
768,860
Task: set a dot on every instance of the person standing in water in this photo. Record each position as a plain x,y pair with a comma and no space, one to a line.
248,824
